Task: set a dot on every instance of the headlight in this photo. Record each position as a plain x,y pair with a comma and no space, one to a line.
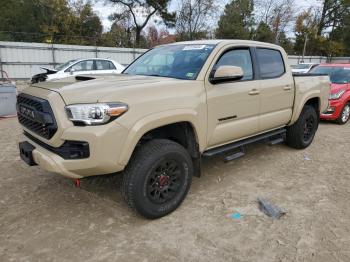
337,95
95,114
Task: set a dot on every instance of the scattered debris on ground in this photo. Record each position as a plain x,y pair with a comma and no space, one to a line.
269,209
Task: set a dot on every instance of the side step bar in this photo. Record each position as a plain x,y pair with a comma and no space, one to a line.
235,156
225,148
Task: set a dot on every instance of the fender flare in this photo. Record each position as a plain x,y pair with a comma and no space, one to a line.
153,121
301,102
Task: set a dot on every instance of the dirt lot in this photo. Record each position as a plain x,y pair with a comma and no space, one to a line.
44,217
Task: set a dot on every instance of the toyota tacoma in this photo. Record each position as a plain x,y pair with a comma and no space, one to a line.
173,106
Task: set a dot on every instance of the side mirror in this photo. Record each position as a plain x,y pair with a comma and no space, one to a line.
71,71
226,74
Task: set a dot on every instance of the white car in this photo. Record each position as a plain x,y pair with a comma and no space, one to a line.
79,67
303,68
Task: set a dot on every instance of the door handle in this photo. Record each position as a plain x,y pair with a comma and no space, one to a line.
254,92
287,88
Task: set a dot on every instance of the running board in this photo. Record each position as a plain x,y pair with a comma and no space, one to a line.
276,141
234,156
223,149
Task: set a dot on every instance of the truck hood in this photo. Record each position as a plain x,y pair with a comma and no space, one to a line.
101,88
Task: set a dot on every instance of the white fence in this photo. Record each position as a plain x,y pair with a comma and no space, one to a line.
294,60
23,60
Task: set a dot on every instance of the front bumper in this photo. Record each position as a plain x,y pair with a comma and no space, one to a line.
104,142
334,110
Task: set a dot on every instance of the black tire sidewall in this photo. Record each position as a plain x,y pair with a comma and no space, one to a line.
141,201
308,111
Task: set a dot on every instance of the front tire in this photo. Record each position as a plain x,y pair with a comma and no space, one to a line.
301,134
344,115
158,178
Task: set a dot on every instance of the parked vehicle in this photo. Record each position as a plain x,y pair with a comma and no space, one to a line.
339,100
79,67
303,68
173,105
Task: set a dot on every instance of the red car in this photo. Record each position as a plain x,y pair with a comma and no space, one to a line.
339,99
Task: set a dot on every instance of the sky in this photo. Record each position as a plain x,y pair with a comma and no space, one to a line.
105,10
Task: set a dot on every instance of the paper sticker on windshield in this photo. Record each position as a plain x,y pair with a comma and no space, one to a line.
190,75
194,47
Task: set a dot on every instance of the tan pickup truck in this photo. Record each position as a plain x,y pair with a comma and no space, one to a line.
170,108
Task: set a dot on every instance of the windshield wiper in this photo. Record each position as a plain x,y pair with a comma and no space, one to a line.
155,75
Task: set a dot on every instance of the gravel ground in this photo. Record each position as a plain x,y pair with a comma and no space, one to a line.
44,217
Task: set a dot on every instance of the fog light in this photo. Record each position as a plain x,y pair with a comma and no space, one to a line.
330,110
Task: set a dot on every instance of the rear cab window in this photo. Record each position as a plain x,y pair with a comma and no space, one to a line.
270,63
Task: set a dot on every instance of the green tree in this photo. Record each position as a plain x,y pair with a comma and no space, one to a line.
52,21
87,24
21,20
140,13
341,32
237,20
118,36
307,26
332,15
286,43
264,34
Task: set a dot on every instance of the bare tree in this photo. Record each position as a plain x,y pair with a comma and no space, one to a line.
278,14
194,17
282,16
141,11
262,9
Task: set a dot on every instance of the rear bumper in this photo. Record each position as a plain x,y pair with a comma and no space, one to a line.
334,110
105,144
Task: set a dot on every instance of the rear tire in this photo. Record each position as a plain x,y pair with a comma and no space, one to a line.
301,134
344,115
158,178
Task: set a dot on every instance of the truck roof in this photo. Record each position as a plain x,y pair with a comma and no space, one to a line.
225,42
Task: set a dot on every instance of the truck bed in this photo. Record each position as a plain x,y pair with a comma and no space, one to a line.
307,85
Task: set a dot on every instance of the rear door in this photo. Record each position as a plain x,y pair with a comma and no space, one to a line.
104,67
233,107
277,89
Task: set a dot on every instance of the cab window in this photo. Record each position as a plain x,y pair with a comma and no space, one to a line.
270,63
240,58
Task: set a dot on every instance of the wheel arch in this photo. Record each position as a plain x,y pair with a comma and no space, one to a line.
181,126
313,100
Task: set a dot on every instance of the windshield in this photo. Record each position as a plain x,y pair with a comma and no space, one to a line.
301,66
62,66
338,75
175,61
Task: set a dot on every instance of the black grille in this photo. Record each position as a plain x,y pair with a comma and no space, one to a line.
36,114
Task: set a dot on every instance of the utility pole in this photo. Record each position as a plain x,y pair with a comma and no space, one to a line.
304,50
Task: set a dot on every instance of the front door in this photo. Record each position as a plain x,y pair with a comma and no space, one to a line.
233,107
84,67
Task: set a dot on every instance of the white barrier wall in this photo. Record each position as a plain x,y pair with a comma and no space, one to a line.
23,60
294,60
